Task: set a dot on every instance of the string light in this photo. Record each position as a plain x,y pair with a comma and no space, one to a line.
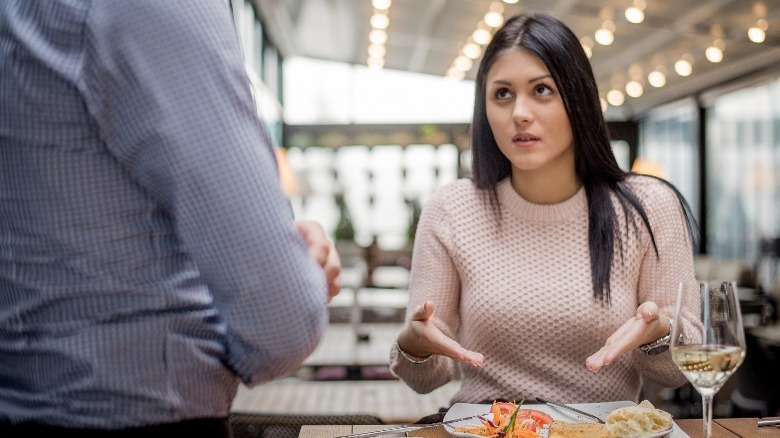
376,50
684,65
480,37
377,36
381,4
494,19
606,33
657,77
463,63
714,53
587,45
636,13
757,33
634,88
380,20
472,50
615,97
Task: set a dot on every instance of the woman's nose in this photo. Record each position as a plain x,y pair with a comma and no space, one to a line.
521,113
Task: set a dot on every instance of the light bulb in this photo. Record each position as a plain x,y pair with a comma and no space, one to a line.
481,36
615,97
604,37
634,89
381,4
376,50
588,51
713,54
493,19
463,63
377,36
472,50
455,73
635,15
497,7
683,67
656,79
380,21
756,34
375,62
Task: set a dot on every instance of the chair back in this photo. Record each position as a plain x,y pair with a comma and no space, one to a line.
256,424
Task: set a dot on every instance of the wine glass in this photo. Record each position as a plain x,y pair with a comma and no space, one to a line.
714,345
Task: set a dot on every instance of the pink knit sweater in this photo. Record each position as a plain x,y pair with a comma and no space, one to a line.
520,293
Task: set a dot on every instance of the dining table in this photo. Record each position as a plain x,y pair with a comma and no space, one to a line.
721,428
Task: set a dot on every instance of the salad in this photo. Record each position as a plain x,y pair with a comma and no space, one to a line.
509,420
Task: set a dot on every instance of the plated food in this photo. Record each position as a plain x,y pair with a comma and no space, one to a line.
623,420
509,420
638,421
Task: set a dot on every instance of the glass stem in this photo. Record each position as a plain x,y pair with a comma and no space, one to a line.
706,406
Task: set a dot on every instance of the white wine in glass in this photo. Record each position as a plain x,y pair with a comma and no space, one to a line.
715,346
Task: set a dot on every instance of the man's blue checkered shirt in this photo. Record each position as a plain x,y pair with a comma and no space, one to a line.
148,257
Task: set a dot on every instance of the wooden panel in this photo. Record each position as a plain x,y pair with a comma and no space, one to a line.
324,431
748,427
694,428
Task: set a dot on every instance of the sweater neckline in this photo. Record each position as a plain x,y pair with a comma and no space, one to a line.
519,207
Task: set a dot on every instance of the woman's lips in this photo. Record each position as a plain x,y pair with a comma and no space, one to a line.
525,139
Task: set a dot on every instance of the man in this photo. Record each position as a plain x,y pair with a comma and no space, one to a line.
148,258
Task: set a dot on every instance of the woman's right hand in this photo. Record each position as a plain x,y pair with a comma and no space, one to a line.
421,338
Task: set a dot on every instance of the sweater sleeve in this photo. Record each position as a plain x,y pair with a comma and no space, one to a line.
434,277
661,273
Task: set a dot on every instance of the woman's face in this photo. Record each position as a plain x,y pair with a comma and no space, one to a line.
527,116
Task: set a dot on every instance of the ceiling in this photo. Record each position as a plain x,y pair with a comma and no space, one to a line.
425,36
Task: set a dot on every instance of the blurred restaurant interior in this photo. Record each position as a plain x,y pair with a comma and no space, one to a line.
369,103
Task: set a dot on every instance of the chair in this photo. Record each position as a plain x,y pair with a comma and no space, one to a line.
756,393
262,425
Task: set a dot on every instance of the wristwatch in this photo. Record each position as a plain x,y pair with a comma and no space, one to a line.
659,345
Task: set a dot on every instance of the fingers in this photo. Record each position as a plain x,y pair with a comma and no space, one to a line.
317,240
454,350
600,359
424,312
648,311
423,337
636,331
322,249
332,271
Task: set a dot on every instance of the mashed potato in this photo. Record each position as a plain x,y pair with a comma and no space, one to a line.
562,429
637,421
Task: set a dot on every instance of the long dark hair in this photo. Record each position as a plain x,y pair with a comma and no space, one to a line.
594,162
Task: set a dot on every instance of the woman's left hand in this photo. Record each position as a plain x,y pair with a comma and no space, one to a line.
646,326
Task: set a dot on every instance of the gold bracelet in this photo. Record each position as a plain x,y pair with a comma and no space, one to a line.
410,358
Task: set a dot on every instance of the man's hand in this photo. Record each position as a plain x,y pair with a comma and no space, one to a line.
324,252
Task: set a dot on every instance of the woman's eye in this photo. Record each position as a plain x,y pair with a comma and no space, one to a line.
502,93
543,90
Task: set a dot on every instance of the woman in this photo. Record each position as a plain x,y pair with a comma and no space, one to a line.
553,263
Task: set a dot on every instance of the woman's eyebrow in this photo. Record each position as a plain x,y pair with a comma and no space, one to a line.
544,76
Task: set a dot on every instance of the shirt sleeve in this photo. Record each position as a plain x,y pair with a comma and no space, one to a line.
434,277
660,275
169,91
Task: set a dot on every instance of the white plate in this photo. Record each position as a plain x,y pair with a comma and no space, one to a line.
601,410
